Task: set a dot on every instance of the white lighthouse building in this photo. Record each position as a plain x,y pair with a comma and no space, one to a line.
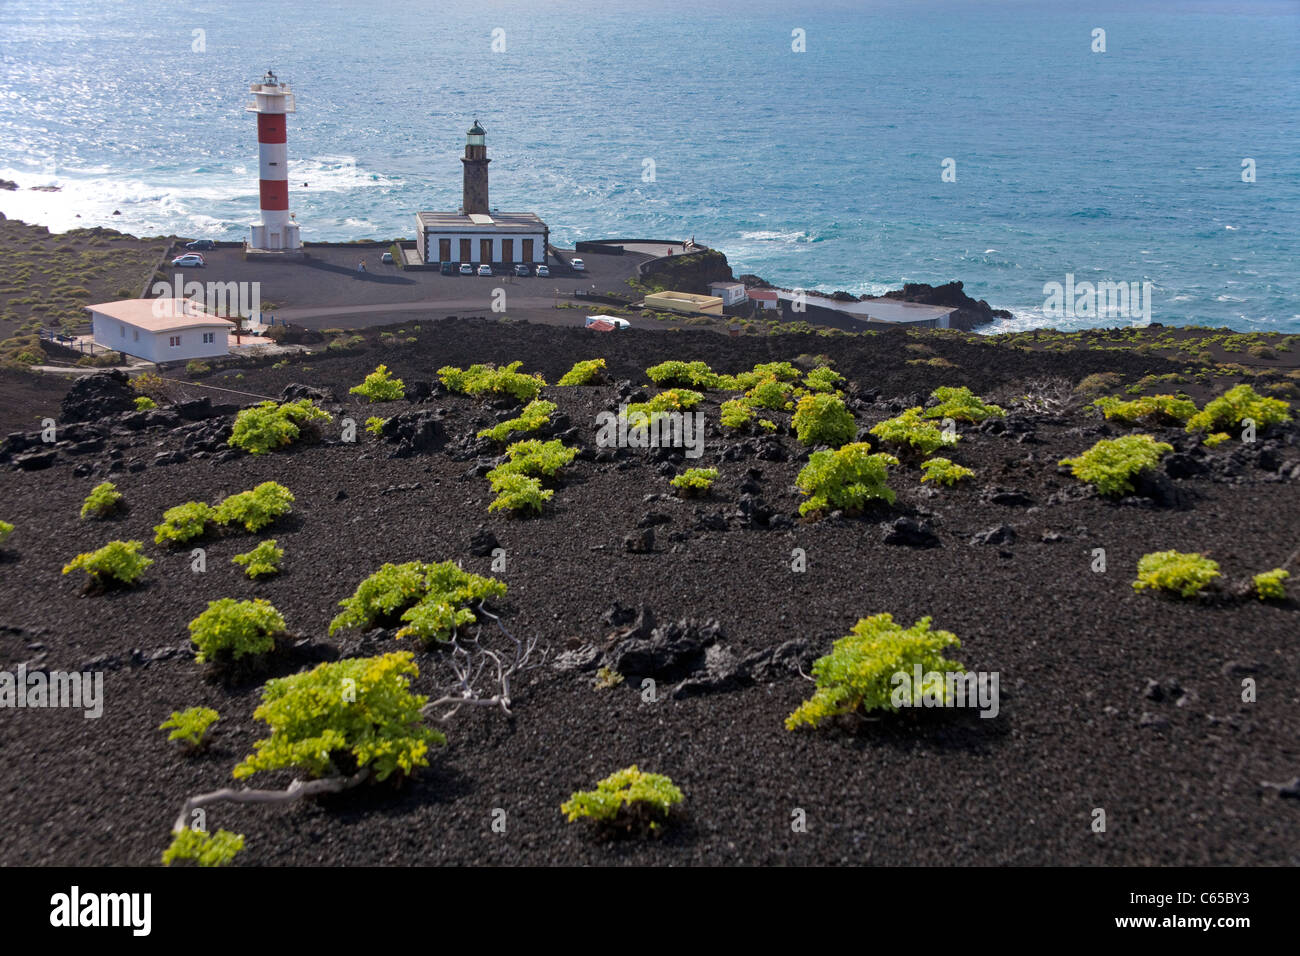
272,102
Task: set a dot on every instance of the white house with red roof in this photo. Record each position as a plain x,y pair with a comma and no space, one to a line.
160,330
766,298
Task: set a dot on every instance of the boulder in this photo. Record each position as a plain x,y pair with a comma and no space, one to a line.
95,396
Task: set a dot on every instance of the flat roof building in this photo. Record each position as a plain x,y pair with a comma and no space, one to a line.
684,302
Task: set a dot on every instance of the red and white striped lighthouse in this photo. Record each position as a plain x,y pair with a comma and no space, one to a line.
272,102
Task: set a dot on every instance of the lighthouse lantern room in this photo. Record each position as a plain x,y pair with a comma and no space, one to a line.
272,101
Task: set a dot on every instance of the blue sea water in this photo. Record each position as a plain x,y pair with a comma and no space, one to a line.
819,169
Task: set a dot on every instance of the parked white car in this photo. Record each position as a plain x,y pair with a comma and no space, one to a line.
543,272
578,265
189,261
485,269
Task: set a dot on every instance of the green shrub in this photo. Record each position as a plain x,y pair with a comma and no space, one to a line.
1155,409
203,848
519,494
1229,410
375,425
823,379
341,717
848,478
195,367
627,800
857,675
823,419
532,457
184,523
1216,439
909,431
257,508
779,371
380,386
685,374
144,403
104,500
431,598
267,426
673,400
116,563
771,394
189,726
961,404
1184,574
944,472
480,380
1111,464
589,372
1271,585
262,561
6,529
695,481
149,383
736,414
536,414
230,629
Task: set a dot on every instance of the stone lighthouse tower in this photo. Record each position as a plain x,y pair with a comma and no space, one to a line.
475,197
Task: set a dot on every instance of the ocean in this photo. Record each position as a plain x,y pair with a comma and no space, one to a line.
821,169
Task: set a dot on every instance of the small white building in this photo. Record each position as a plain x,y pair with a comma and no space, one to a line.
160,330
730,293
766,298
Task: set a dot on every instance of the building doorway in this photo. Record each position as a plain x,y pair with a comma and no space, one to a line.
507,250
485,250
528,250
444,250
465,255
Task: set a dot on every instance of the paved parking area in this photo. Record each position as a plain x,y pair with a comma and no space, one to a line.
328,284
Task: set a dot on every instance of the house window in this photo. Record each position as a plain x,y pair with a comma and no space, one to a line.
174,341
122,330
136,334
209,338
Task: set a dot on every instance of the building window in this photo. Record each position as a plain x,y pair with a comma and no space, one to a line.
209,338
122,330
174,341
136,334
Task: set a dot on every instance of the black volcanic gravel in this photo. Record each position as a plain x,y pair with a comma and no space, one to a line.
1181,778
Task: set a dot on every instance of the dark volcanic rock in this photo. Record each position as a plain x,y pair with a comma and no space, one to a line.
95,396
911,533
640,542
482,542
196,410
296,390
670,653
1002,534
35,460
1007,497
1161,489
415,432
722,672
970,312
